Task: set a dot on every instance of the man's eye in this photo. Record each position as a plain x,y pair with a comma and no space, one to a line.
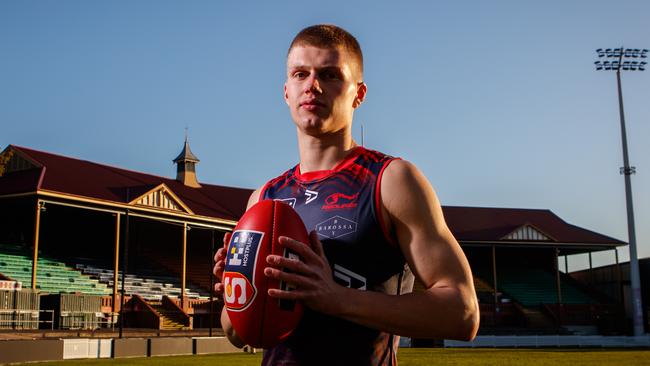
330,75
299,74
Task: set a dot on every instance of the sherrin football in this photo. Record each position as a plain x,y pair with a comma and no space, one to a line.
258,319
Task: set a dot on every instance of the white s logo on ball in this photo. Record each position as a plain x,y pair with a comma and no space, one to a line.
231,286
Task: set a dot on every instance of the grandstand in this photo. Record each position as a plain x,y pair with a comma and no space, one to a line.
81,235
54,276
73,226
534,286
150,284
515,255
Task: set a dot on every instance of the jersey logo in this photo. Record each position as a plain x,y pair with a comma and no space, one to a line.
336,227
289,201
340,201
311,195
349,279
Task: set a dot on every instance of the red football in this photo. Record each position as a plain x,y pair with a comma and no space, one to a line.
258,319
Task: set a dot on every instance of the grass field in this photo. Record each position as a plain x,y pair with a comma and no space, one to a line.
417,357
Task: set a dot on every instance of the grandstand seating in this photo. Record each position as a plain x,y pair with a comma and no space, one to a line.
86,276
146,282
532,287
53,275
198,268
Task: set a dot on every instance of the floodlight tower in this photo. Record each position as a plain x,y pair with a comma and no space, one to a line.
627,59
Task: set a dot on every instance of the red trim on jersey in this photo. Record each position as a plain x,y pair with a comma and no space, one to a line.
378,211
322,174
263,190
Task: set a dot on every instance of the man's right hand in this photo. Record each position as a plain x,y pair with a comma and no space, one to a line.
220,264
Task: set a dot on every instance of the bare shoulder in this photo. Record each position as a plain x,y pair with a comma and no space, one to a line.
254,198
400,172
407,194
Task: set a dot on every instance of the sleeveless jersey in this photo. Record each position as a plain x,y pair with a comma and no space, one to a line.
343,206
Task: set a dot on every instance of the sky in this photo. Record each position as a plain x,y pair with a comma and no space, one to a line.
498,103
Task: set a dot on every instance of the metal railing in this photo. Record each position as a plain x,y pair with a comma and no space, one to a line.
24,319
86,320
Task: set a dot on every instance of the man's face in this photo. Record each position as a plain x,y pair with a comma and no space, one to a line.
323,88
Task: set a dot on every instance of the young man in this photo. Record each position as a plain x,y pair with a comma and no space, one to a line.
376,222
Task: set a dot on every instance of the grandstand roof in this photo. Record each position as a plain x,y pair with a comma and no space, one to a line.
56,173
480,224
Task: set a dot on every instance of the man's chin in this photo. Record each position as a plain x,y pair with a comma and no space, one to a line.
311,125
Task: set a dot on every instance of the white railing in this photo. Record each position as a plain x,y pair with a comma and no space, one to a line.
15,319
534,341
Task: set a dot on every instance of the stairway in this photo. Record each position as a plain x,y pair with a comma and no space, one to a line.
537,319
171,320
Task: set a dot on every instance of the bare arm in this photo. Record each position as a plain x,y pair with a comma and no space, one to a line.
448,309
219,266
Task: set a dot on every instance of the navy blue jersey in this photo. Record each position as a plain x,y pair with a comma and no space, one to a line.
343,206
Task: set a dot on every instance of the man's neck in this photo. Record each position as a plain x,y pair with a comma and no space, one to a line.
323,152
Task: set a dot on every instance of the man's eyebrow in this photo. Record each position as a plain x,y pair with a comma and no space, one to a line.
325,67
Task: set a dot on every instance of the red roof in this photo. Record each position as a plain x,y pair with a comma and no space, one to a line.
84,178
88,179
492,224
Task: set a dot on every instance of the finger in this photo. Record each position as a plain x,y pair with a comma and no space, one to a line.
316,245
218,288
217,270
220,254
303,250
291,278
226,238
288,295
288,263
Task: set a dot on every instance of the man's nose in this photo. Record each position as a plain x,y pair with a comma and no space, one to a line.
313,85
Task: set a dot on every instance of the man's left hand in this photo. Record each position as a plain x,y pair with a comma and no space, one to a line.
311,275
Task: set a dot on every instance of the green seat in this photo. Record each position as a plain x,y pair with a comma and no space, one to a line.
532,287
52,275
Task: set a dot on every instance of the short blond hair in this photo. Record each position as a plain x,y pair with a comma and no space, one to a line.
329,36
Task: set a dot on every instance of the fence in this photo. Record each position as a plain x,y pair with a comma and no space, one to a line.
19,309
25,319
76,311
552,341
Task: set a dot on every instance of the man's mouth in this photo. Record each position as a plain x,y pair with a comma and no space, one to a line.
310,105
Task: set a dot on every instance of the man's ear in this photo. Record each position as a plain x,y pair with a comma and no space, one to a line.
362,89
286,96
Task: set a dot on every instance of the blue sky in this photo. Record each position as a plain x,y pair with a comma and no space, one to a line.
497,102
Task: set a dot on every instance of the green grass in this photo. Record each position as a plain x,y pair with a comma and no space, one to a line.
417,357
527,357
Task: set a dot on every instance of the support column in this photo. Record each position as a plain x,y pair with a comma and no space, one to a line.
125,262
37,229
494,284
557,278
619,288
559,288
566,264
591,271
184,266
116,266
211,281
